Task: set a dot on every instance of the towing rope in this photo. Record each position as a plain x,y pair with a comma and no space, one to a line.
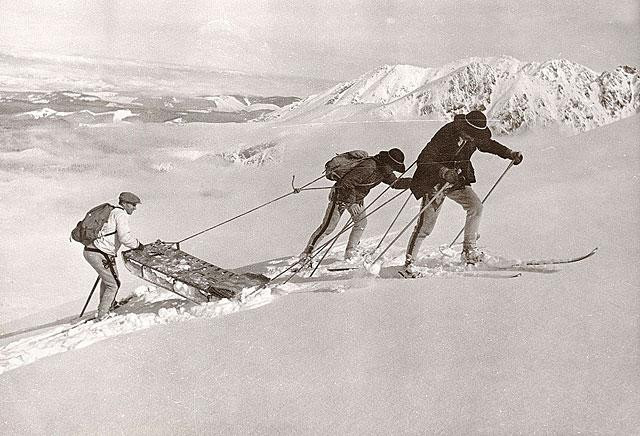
295,191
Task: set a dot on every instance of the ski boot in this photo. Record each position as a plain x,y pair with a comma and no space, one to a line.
304,262
409,271
471,255
353,255
105,316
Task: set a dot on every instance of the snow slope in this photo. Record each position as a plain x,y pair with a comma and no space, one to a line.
549,352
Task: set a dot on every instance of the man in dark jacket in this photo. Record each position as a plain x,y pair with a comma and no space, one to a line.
446,158
349,192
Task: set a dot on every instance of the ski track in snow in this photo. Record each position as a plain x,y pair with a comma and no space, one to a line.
70,336
67,337
433,262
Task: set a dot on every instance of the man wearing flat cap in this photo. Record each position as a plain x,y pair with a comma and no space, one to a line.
447,159
101,253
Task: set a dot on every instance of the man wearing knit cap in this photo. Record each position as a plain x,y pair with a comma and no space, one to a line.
446,159
101,253
349,192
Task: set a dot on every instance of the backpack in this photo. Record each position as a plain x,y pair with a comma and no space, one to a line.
87,230
341,164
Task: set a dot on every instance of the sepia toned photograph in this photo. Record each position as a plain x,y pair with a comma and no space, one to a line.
356,217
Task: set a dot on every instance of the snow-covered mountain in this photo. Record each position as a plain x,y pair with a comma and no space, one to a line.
515,95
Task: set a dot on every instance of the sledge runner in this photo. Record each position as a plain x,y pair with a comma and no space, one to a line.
102,251
348,194
446,159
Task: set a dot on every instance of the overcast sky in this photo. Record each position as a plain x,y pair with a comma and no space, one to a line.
327,39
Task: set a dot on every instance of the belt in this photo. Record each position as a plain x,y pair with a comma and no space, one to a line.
108,262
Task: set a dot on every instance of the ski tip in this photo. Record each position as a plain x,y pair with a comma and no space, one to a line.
591,253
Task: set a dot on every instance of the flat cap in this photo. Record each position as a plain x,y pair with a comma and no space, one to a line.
129,197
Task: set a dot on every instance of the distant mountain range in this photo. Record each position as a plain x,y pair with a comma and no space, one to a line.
69,108
45,89
515,95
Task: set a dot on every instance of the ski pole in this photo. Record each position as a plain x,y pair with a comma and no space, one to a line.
441,191
349,222
333,242
330,241
349,225
90,295
483,200
249,211
393,222
345,228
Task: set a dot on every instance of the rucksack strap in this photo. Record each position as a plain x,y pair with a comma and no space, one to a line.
115,231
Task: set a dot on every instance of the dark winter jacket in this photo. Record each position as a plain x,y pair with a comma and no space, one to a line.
356,184
447,150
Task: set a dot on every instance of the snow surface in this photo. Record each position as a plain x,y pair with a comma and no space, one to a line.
554,351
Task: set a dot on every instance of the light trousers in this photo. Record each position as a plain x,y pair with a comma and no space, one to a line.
109,282
466,198
330,221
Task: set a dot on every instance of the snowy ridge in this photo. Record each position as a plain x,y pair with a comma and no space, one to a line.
515,95
232,103
79,116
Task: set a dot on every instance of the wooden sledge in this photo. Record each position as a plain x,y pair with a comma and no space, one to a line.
163,264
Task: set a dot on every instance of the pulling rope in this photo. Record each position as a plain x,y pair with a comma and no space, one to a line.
295,191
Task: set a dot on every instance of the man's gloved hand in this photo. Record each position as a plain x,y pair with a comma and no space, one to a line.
356,209
450,175
516,157
140,246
